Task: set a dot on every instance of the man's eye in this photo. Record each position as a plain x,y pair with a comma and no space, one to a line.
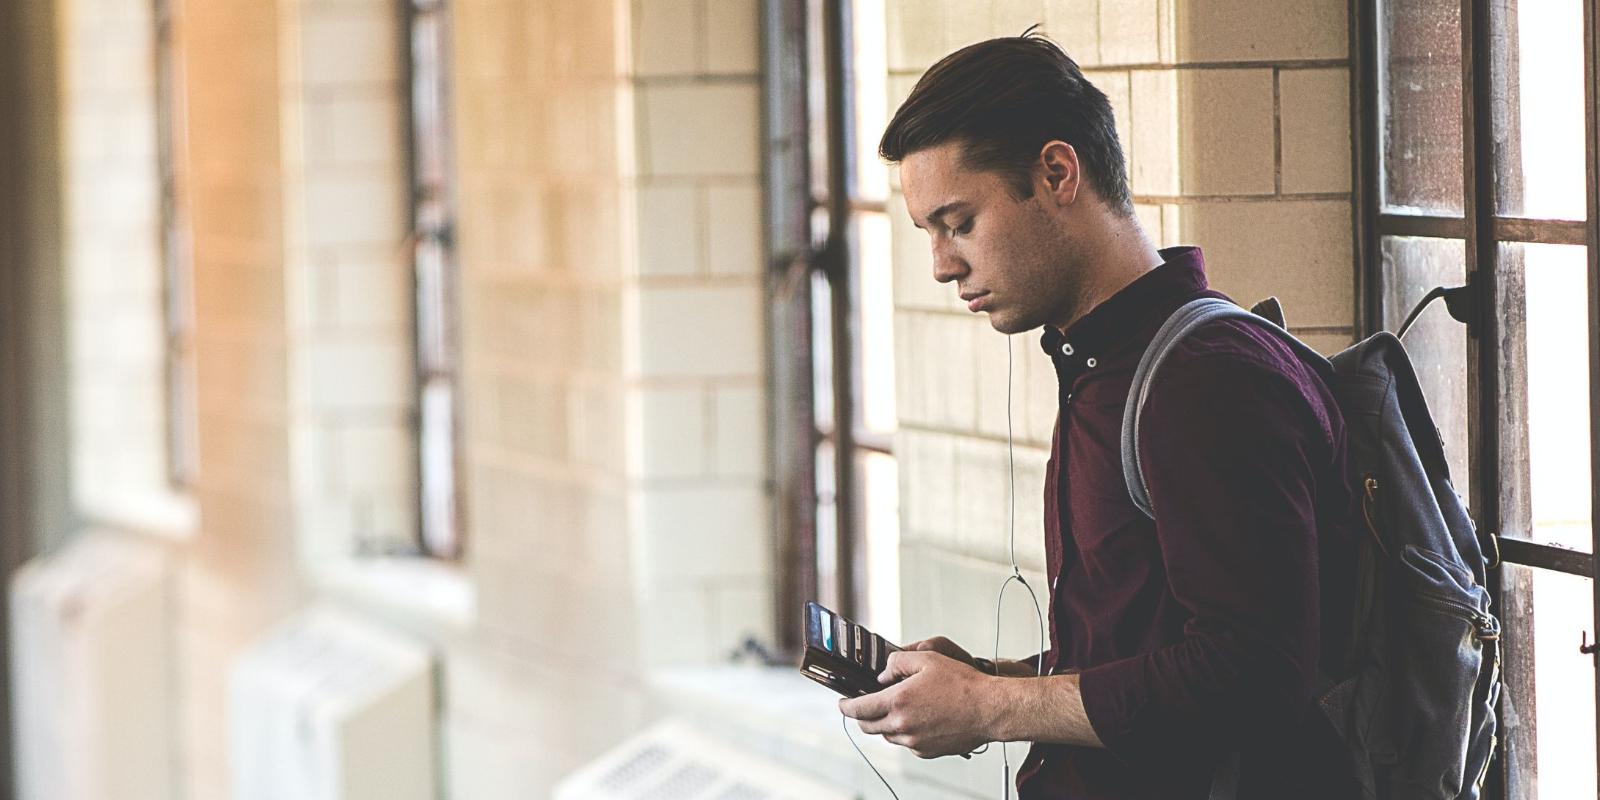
964,228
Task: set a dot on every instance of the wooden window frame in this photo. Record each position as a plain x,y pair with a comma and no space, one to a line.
810,222
1482,230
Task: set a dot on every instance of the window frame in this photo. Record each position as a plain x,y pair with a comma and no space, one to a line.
436,320
811,233
181,401
1483,230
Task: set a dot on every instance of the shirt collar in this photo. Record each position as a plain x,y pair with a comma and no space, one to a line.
1182,274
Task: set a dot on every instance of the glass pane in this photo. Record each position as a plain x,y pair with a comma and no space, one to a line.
1437,343
1545,380
880,509
1539,151
1420,105
876,331
870,108
1549,706
827,528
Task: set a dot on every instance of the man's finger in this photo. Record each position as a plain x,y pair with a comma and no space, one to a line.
872,706
904,664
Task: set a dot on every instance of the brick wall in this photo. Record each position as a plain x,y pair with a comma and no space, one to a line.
696,377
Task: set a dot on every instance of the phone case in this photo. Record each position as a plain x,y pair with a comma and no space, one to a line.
842,655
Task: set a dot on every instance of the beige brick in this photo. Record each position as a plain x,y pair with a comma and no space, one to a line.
1075,25
741,610
671,432
360,375
952,392
1298,250
733,36
733,233
700,332
1149,217
1039,393
364,209
703,130
1250,30
666,37
739,432
1314,115
670,221
1326,343
343,47
940,590
1153,165
1012,17
916,32
991,376
1203,132
710,532
1130,32
967,22
927,461
1226,131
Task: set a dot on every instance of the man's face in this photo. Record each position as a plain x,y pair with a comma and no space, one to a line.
1009,257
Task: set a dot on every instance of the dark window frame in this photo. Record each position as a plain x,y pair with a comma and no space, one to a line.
812,204
425,48
1483,230
181,401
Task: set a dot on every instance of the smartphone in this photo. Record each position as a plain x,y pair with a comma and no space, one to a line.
842,655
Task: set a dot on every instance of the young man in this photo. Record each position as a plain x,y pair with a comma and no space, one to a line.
1177,645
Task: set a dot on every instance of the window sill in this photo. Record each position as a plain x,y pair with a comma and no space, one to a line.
417,588
773,710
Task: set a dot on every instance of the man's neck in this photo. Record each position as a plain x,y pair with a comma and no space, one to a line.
1124,253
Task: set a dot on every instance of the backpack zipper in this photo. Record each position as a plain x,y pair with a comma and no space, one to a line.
1368,502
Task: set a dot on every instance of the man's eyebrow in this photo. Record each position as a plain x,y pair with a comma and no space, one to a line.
939,212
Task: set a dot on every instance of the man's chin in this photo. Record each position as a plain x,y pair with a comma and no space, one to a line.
1009,324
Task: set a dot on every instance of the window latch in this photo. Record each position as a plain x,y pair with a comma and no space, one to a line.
1585,648
1461,301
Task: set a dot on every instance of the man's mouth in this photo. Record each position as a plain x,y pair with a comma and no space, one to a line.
976,302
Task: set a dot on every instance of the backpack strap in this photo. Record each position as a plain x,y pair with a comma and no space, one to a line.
1188,317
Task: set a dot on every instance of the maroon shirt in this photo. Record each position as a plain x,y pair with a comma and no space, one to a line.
1200,633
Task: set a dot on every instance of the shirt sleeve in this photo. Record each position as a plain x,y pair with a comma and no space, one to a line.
1228,446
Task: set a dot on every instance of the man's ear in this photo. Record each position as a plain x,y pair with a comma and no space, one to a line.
1060,171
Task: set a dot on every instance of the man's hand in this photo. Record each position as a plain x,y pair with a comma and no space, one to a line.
943,646
938,706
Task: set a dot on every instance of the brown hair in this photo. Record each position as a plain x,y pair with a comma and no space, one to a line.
1003,99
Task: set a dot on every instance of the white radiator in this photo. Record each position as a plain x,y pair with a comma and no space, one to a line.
91,663
673,761
331,706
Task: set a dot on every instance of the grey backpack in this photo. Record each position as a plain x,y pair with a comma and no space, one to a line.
1414,703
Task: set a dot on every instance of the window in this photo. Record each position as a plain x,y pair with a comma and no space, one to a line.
832,314
182,420
1477,152
433,258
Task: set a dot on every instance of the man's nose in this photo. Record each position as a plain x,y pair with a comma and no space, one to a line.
947,266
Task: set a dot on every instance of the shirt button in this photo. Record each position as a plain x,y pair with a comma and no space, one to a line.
1066,348
1092,363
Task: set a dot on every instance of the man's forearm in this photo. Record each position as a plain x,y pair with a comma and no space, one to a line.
1048,709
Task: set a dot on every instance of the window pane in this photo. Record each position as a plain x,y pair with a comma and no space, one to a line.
1539,151
880,509
1549,687
1546,415
827,528
870,107
1437,343
876,329
1420,105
